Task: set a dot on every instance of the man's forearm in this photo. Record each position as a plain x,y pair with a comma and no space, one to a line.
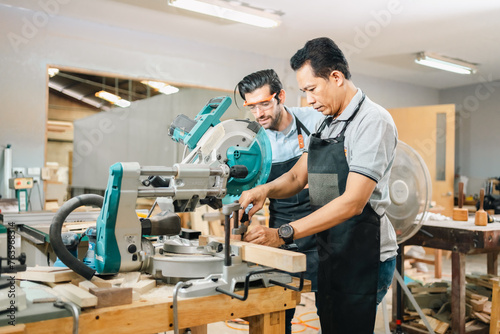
285,186
291,182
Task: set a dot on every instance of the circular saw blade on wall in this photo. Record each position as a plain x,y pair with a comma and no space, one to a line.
410,190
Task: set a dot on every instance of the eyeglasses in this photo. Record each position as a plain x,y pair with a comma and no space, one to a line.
262,105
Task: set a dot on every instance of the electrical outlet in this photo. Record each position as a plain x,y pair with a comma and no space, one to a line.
35,171
18,171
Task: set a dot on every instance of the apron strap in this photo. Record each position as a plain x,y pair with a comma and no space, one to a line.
352,116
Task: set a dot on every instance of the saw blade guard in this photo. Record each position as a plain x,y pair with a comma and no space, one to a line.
232,142
410,191
257,157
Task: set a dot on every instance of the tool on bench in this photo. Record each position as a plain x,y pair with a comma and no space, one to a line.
481,217
460,214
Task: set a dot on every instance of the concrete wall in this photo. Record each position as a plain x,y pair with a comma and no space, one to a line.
138,133
392,94
477,154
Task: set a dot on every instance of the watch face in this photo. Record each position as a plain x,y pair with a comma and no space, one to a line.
286,231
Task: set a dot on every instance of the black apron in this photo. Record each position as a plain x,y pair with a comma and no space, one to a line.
283,211
349,253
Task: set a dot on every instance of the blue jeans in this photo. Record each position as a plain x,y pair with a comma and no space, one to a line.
385,275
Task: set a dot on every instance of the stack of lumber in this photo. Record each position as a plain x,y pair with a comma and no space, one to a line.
481,299
61,282
432,298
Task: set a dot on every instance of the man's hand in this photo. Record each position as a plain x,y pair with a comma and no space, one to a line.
256,196
264,236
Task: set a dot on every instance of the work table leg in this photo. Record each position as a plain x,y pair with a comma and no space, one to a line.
492,263
458,293
268,323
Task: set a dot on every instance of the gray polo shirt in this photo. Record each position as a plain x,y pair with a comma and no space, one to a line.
370,147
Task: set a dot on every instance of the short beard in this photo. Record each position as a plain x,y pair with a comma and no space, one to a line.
276,121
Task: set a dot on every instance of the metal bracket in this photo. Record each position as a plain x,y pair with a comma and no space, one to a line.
74,311
257,272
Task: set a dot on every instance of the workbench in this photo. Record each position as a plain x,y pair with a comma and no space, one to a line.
264,310
461,238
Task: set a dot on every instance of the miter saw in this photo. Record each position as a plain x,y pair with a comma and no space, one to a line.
226,158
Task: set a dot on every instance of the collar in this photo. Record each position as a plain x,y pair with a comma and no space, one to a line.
290,128
351,107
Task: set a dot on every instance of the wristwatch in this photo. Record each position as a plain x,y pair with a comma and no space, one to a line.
285,232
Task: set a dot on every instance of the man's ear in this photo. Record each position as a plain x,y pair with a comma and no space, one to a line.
282,96
337,77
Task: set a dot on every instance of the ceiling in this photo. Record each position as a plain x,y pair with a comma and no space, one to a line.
83,87
379,37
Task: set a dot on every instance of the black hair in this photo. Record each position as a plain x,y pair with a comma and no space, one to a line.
257,80
323,55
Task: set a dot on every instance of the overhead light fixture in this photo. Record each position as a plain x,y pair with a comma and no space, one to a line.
445,63
112,98
162,87
52,71
230,10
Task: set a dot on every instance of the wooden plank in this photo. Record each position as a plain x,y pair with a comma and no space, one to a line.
17,329
46,276
481,316
144,286
429,289
216,228
130,279
438,326
101,283
477,305
495,309
289,261
87,285
112,296
78,296
46,269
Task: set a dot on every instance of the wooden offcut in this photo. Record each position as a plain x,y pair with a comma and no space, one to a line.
438,326
293,262
112,296
78,296
144,286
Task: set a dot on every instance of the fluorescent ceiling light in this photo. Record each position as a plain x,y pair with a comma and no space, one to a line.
445,63
234,10
52,71
115,99
161,87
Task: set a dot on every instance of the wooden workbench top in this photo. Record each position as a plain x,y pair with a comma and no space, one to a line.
153,313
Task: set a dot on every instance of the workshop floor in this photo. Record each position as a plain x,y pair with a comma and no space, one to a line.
306,311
